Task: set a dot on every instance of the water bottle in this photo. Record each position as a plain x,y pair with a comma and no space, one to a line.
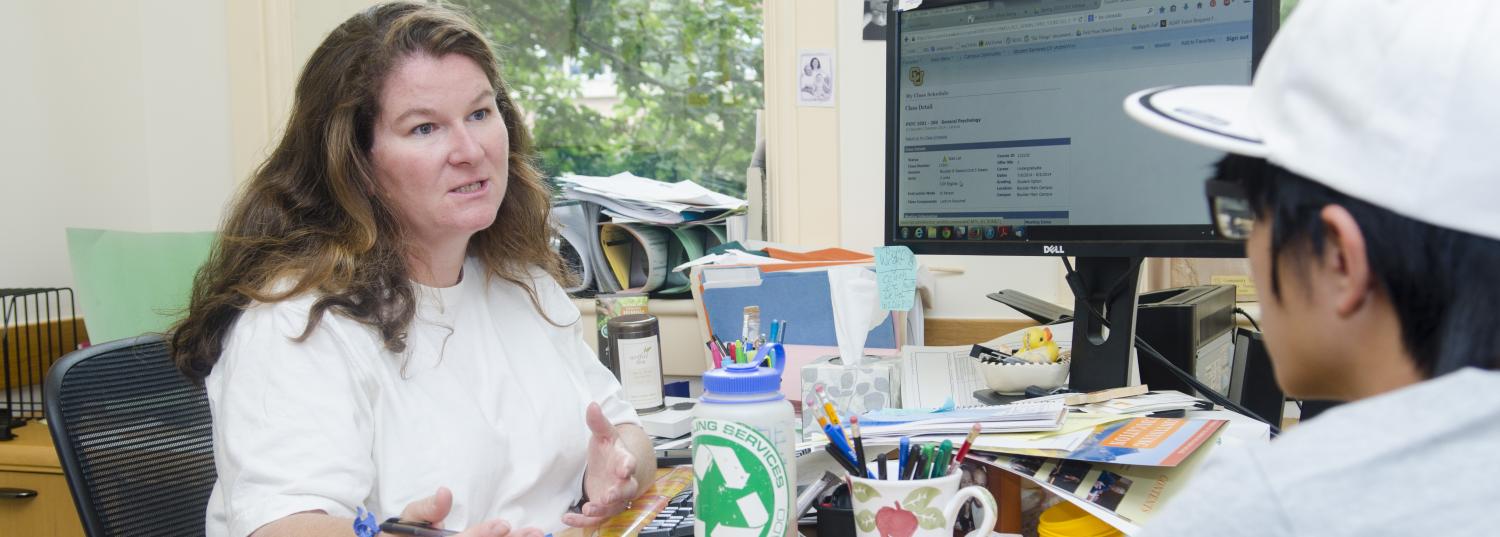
744,468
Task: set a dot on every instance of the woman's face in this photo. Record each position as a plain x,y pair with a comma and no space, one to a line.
441,150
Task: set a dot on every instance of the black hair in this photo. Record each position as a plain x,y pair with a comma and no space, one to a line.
1441,282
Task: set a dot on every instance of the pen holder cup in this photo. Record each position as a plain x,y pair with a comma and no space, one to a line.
1012,379
917,507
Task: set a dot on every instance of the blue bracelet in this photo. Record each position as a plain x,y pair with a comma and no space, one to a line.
364,523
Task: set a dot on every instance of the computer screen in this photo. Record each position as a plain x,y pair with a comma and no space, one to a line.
1006,133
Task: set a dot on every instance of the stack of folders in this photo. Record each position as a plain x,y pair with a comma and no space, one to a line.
894,424
628,233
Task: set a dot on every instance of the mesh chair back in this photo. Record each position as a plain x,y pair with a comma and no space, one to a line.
135,439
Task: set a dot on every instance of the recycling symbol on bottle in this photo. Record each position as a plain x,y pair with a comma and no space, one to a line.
741,481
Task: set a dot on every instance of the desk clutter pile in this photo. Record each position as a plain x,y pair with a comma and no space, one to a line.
1118,459
629,233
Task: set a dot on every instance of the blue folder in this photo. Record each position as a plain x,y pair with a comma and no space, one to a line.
800,298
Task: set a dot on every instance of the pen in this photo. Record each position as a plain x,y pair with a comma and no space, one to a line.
902,457
940,462
859,443
916,462
718,358
775,324
781,331
925,471
968,442
839,456
880,465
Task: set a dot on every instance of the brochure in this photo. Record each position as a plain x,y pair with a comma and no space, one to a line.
1136,441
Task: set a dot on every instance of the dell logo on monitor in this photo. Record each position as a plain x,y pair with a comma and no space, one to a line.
1052,249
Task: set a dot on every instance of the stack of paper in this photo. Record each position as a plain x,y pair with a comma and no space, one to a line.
626,197
1153,401
1003,418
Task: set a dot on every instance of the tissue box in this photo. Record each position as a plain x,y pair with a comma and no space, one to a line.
874,385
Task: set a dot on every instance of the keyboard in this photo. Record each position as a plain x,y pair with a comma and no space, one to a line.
674,520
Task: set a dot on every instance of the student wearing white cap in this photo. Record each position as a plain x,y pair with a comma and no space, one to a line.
1363,174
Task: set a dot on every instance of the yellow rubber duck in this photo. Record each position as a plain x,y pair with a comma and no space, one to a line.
1037,346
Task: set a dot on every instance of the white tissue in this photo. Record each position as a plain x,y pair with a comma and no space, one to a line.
856,309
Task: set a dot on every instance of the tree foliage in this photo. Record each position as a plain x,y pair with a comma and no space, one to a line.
688,75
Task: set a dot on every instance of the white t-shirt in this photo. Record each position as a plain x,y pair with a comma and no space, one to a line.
494,411
1416,461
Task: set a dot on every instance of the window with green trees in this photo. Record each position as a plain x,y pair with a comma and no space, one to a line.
666,89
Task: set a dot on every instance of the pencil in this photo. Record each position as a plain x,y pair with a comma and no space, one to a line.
859,443
833,415
964,449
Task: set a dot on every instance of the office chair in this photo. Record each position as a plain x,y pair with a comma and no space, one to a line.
135,438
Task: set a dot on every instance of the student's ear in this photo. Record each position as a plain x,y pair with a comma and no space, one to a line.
1344,260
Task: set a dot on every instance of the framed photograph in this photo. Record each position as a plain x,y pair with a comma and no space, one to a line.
815,82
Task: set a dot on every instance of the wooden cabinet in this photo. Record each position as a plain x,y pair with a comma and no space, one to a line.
29,463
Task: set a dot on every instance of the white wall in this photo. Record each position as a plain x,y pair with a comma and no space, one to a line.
860,67
117,118
138,115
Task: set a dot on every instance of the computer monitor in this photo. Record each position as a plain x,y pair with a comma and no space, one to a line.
1006,135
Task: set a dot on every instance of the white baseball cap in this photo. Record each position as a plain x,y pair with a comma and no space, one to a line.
1394,102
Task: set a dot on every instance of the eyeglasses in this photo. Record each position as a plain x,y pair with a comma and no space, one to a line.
1229,209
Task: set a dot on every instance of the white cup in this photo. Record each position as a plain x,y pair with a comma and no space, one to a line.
917,507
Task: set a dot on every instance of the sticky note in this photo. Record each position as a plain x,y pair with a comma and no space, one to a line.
896,274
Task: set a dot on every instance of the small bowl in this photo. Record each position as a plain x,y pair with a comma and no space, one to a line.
1012,379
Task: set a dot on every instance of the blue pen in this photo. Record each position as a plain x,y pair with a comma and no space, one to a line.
905,452
843,445
774,326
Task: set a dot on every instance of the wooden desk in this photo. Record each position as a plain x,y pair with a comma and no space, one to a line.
30,463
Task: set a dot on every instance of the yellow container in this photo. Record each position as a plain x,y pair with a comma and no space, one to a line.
1067,520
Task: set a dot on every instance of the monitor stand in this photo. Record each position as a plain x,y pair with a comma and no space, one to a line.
1101,359
1101,355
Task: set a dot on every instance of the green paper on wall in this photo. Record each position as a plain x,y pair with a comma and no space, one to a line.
131,283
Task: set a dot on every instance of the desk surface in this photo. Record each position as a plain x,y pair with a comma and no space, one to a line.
30,451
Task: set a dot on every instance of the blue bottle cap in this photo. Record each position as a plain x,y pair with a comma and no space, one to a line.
743,379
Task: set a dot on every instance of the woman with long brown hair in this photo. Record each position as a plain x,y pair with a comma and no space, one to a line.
381,317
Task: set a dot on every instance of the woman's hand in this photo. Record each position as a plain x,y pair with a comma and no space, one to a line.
433,509
609,478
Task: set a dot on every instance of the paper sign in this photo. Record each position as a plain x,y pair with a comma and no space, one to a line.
896,274
904,5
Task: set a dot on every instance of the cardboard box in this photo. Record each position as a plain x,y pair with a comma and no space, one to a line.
873,385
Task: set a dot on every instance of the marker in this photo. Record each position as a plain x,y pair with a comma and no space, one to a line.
903,457
928,454
968,442
940,462
880,465
718,358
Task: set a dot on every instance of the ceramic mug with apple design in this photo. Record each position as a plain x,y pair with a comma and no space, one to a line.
916,508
